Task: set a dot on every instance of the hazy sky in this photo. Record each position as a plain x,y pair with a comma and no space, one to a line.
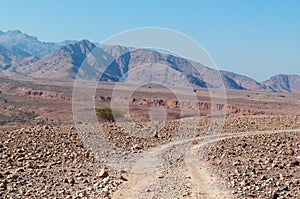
255,38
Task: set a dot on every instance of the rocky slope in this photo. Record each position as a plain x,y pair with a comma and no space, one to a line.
63,63
8,58
284,83
242,82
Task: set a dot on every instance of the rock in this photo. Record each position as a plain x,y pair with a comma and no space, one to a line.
106,180
283,188
46,127
121,177
102,174
81,194
263,177
136,147
295,163
236,163
12,176
66,180
7,172
275,196
104,194
3,185
72,180
19,170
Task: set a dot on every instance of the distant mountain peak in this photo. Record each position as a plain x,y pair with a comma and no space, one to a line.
14,32
84,46
26,43
85,43
284,83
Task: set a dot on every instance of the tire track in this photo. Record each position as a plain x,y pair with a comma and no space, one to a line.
156,162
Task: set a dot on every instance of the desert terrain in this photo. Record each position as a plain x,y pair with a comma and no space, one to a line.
44,154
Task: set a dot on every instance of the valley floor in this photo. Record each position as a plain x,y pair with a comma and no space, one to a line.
253,157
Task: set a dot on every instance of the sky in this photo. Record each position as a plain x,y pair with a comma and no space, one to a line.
250,37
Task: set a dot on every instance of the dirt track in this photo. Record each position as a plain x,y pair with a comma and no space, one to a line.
170,182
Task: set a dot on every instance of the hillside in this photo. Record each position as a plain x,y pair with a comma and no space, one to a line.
25,55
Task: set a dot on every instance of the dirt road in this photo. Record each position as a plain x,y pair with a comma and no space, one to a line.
179,170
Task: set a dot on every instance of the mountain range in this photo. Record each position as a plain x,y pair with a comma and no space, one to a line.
22,55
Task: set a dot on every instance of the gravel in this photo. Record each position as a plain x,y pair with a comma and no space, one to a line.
50,161
259,166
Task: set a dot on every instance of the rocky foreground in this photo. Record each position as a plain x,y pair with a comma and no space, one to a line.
259,166
51,161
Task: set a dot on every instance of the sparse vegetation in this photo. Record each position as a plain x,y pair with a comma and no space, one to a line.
2,122
107,114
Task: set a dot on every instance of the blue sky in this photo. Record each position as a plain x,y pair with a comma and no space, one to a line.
254,38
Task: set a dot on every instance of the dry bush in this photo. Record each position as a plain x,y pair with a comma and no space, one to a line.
108,114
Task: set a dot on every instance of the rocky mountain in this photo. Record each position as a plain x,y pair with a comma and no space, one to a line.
24,55
284,83
8,58
63,63
150,66
22,43
241,82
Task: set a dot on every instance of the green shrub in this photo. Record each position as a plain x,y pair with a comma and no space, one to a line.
107,114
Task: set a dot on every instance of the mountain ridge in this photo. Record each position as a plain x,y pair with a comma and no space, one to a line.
62,61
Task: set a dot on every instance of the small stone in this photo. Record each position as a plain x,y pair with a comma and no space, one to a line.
7,172
19,170
136,146
236,163
46,127
295,163
102,174
12,176
82,194
104,194
283,188
66,180
121,177
3,185
263,177
186,194
105,180
275,196
105,189
72,180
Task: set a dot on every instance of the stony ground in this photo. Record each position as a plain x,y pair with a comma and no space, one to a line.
260,166
51,161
